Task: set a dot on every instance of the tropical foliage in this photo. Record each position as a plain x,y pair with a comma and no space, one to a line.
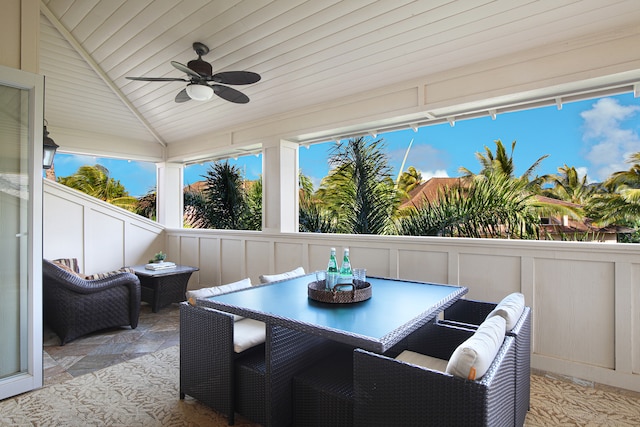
95,181
146,205
225,197
489,205
618,200
312,216
409,179
195,209
359,192
252,219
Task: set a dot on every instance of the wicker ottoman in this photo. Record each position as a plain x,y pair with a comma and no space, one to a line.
323,394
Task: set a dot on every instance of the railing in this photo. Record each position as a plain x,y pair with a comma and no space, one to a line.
584,296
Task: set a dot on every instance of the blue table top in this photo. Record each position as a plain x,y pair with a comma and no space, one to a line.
377,323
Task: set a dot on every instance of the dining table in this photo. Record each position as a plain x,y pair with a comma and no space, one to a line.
395,309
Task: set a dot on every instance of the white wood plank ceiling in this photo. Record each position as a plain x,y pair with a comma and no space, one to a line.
307,52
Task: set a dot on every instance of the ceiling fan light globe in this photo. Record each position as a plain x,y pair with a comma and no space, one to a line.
199,92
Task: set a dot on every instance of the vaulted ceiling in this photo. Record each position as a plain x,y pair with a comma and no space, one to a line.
307,52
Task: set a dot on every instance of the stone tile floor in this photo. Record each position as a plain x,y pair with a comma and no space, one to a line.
98,350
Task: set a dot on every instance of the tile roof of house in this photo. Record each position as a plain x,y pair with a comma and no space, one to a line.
429,190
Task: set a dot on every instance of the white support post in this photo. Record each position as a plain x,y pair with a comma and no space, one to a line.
169,194
280,187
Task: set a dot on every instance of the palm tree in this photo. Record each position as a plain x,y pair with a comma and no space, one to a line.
146,205
619,202
195,209
501,162
252,219
96,182
409,180
568,187
225,196
359,191
313,217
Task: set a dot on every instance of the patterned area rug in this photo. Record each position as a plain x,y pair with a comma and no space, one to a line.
139,392
561,403
144,392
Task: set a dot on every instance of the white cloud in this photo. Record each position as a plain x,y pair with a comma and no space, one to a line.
584,171
608,143
440,173
423,157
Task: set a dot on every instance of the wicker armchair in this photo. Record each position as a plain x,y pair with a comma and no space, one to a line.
391,392
74,306
471,313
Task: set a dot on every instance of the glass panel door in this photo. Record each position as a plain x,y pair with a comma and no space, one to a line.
20,234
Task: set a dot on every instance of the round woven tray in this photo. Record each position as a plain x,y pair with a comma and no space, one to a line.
358,293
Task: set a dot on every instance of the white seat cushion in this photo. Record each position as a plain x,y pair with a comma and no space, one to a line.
268,278
510,308
423,360
472,358
247,333
192,296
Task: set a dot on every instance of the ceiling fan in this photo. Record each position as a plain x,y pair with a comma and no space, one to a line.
200,73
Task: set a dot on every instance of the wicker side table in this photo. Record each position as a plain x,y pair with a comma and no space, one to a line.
162,287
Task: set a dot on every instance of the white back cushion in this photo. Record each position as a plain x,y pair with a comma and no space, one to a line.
247,333
218,290
192,296
472,358
423,360
268,278
510,308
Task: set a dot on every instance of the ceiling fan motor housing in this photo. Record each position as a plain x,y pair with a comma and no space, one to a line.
201,67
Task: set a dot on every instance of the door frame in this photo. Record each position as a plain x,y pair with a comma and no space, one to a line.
32,378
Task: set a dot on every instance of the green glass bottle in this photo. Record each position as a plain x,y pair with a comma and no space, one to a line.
346,275
332,270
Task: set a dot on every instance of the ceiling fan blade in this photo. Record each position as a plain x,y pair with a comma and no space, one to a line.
185,69
182,96
230,94
157,79
235,77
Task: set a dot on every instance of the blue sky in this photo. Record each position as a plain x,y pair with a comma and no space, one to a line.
594,136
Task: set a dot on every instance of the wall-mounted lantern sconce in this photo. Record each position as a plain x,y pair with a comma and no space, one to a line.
50,148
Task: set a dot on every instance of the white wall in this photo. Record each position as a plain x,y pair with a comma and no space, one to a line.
101,236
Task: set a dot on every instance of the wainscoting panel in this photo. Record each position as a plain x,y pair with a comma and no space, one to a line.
574,309
424,265
209,263
232,260
259,252
286,256
489,277
63,231
104,233
635,322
